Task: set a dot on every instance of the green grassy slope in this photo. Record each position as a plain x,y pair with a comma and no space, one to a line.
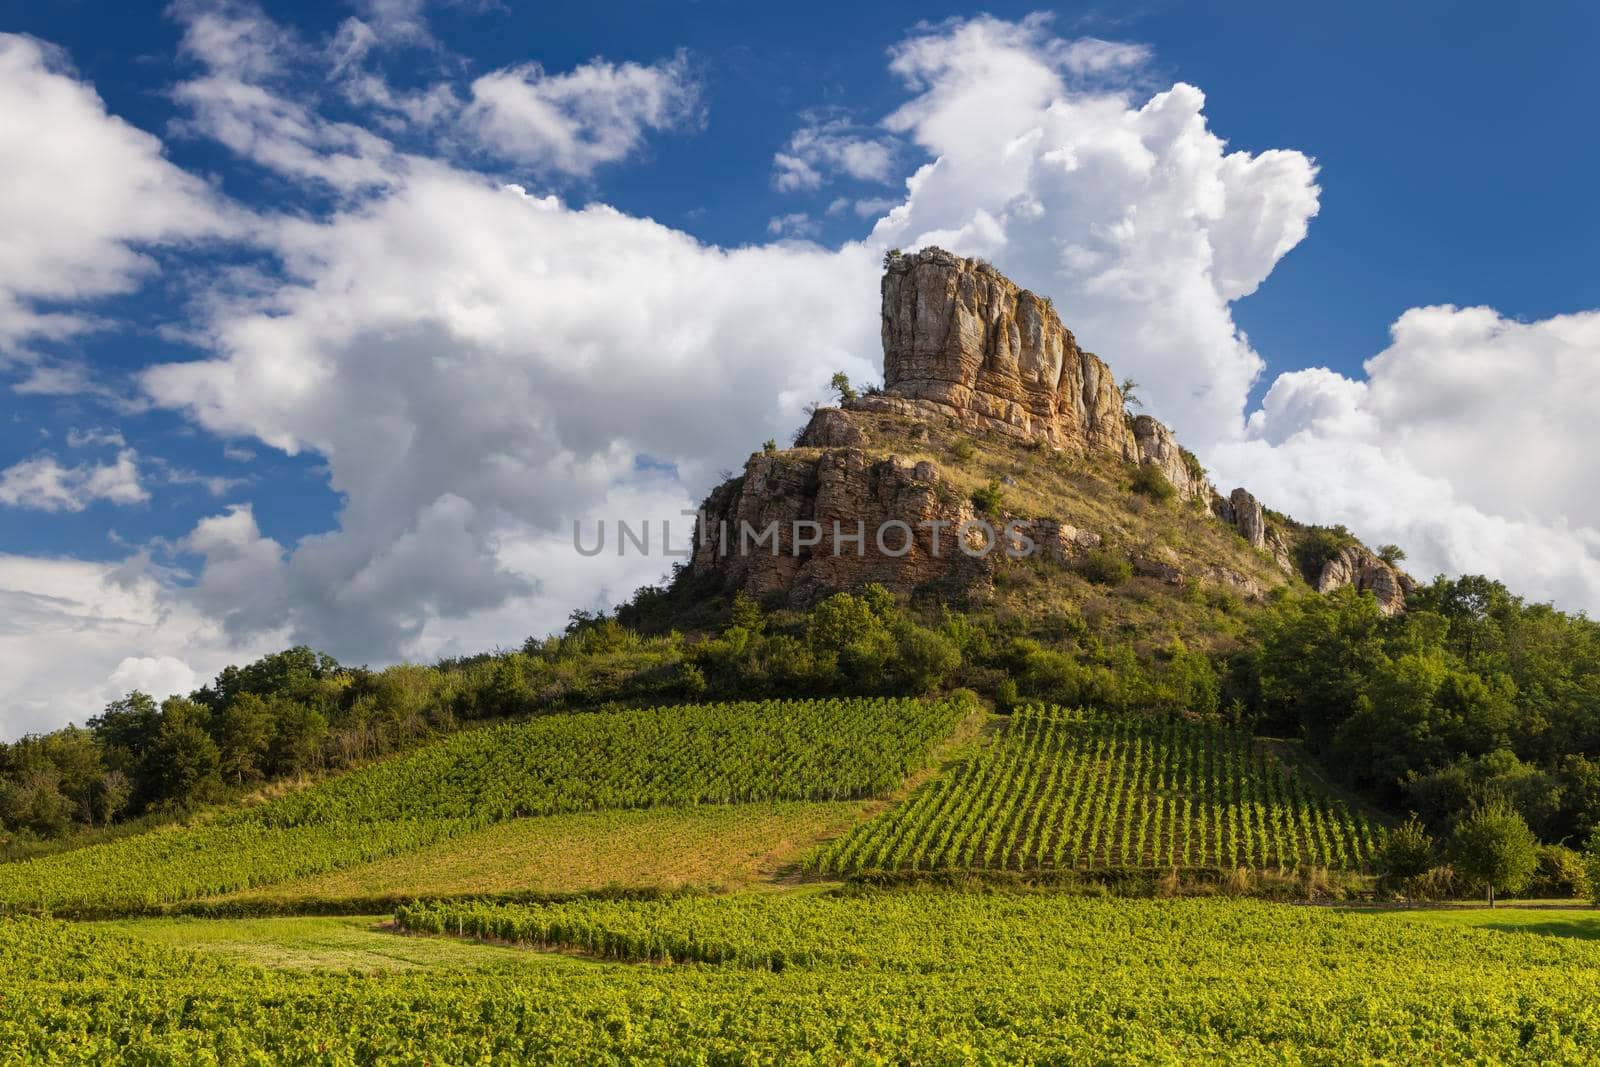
708,847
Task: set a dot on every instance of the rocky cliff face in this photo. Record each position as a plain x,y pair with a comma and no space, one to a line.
962,340
1356,566
968,352
825,514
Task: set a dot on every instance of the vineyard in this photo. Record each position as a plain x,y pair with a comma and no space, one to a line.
839,749
924,977
676,756
1084,791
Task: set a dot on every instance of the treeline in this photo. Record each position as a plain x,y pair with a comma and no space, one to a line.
1469,698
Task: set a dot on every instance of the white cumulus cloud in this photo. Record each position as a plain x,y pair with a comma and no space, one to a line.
575,121
43,483
83,197
821,150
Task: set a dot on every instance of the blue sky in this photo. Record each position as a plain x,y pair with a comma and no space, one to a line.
1455,165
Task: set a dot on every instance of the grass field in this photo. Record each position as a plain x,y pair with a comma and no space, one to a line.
342,943
812,977
713,847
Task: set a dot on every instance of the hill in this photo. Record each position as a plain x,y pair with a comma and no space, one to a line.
994,430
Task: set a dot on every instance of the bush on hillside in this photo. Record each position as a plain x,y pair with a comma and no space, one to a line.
1151,482
1104,567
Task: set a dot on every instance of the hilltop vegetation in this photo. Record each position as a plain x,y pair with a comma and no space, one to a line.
1471,696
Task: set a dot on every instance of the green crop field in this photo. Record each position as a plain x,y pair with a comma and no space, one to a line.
1084,791
690,755
929,977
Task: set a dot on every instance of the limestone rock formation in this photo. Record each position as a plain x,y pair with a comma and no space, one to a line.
1356,566
1244,512
962,340
825,515
1248,517
965,349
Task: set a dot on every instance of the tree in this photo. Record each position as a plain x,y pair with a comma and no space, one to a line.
183,762
840,383
1393,555
926,657
1591,863
1406,853
244,732
1494,846
1130,393
747,614
111,796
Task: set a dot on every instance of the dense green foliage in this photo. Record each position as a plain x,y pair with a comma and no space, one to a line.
921,978
805,750
1086,791
1469,697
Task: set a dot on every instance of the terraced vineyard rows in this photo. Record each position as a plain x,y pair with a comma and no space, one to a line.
1064,789
702,754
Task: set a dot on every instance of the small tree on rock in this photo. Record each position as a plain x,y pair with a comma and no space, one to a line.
840,383
1494,846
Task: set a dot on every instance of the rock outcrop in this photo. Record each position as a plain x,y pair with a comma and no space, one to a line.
1356,566
1244,513
807,526
962,340
964,348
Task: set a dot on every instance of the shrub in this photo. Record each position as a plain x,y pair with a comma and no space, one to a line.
1591,866
1319,545
926,658
1149,480
1405,855
1104,567
989,499
961,450
840,383
1192,464
1561,873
